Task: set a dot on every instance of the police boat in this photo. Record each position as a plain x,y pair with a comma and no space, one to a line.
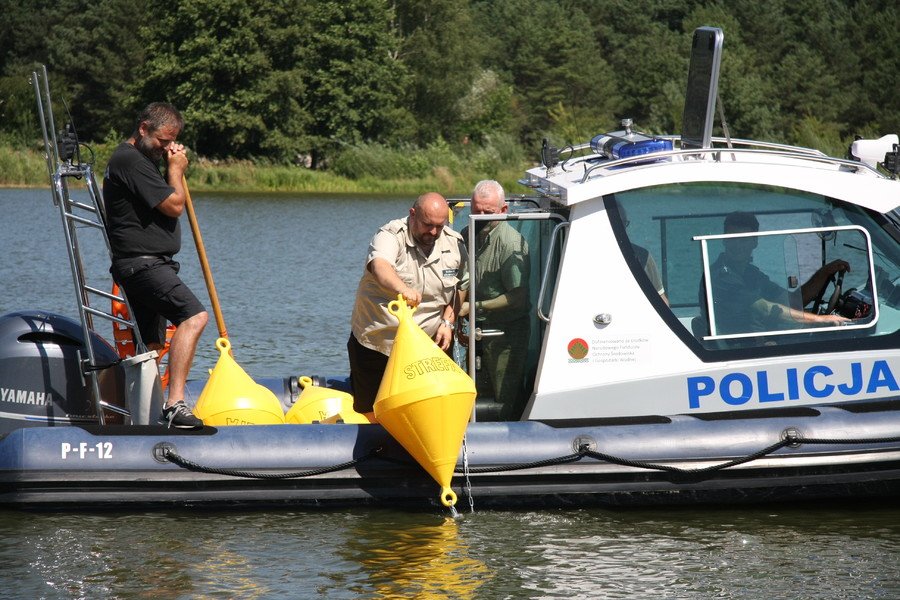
659,355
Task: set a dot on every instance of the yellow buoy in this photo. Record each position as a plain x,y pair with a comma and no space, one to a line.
425,400
322,404
231,397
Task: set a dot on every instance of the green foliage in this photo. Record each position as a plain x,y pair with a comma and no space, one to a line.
22,167
403,162
549,54
436,46
826,136
873,35
18,116
97,61
448,166
499,152
231,68
356,83
646,48
486,108
573,125
440,89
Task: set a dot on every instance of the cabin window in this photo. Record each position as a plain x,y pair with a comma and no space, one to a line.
799,285
770,279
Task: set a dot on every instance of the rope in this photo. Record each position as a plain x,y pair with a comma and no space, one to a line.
658,467
851,441
179,460
790,439
538,463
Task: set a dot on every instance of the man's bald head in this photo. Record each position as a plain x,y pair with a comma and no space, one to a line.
427,218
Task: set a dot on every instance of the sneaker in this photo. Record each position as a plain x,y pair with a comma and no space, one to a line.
180,416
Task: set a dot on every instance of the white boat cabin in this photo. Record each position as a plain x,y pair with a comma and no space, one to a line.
621,322
642,303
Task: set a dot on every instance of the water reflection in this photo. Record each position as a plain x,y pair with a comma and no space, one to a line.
415,560
812,552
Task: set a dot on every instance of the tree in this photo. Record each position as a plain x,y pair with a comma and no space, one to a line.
93,64
486,108
23,30
230,67
442,51
355,83
274,79
549,55
645,44
873,35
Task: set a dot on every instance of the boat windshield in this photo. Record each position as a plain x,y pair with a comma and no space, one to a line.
744,267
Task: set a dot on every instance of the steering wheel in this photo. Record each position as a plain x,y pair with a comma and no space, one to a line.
836,294
821,294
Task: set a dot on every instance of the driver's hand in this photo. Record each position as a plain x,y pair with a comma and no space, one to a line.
836,266
832,319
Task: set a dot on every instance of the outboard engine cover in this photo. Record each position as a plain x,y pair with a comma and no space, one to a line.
40,380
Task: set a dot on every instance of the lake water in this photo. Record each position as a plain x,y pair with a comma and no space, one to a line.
286,268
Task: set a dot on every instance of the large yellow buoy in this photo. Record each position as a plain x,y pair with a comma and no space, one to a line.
231,397
425,400
323,405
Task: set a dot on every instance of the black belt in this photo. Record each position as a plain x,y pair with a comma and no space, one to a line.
145,256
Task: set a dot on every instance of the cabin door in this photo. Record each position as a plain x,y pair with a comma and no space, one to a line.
507,263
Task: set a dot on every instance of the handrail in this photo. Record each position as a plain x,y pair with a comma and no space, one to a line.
655,158
540,298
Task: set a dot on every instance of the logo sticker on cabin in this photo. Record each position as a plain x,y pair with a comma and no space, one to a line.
578,350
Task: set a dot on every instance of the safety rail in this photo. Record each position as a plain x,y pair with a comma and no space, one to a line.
717,153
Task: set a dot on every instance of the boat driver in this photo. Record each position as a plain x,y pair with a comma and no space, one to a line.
746,300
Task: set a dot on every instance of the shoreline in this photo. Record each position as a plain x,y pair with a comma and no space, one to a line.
27,169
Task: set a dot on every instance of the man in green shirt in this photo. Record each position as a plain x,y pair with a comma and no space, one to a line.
501,271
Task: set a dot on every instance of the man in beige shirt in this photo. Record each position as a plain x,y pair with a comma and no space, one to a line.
421,259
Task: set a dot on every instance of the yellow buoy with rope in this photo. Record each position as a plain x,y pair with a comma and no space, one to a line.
323,405
425,400
231,397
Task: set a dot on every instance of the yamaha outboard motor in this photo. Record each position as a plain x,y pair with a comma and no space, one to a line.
40,379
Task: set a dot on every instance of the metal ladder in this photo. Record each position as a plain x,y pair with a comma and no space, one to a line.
64,163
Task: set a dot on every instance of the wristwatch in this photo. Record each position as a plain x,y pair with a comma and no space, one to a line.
449,324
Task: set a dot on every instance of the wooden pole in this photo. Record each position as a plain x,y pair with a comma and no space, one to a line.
204,263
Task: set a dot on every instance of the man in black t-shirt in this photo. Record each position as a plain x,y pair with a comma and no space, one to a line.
142,210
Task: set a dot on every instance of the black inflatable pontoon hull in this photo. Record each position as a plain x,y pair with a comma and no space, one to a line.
121,466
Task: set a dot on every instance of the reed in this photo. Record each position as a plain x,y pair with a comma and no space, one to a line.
20,167
375,170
